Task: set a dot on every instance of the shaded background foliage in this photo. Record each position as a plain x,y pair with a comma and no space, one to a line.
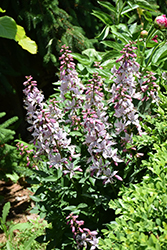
50,24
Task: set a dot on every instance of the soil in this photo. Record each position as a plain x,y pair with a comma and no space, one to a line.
19,197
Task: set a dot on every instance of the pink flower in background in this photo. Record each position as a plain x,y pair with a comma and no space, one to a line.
160,22
155,38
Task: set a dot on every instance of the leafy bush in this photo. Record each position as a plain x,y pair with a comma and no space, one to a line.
141,211
24,238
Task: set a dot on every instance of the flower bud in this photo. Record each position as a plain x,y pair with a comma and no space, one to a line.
144,33
160,22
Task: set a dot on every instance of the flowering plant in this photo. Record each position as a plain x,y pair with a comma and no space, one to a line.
83,143
83,136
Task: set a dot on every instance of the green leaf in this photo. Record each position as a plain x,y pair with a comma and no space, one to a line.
146,5
5,212
50,179
82,205
20,33
108,5
81,58
2,114
8,27
91,53
114,45
2,11
123,28
129,8
35,198
124,38
9,246
28,44
20,226
104,33
27,245
160,54
75,133
14,177
133,28
71,208
104,17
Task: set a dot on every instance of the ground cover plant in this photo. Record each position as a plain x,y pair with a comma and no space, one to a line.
97,133
21,235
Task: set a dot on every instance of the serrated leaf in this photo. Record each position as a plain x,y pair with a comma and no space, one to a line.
14,177
19,226
8,27
5,212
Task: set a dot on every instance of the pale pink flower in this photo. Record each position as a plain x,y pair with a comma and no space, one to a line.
161,22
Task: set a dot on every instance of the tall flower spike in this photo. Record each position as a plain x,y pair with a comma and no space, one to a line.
97,138
123,92
71,84
49,137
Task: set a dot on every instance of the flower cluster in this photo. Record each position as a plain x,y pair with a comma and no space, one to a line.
70,84
49,137
123,92
149,87
93,119
29,153
98,140
82,236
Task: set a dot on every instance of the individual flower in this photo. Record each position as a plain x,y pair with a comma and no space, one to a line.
71,170
160,22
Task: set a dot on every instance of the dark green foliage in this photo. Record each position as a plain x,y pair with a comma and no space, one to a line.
50,23
56,196
8,153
